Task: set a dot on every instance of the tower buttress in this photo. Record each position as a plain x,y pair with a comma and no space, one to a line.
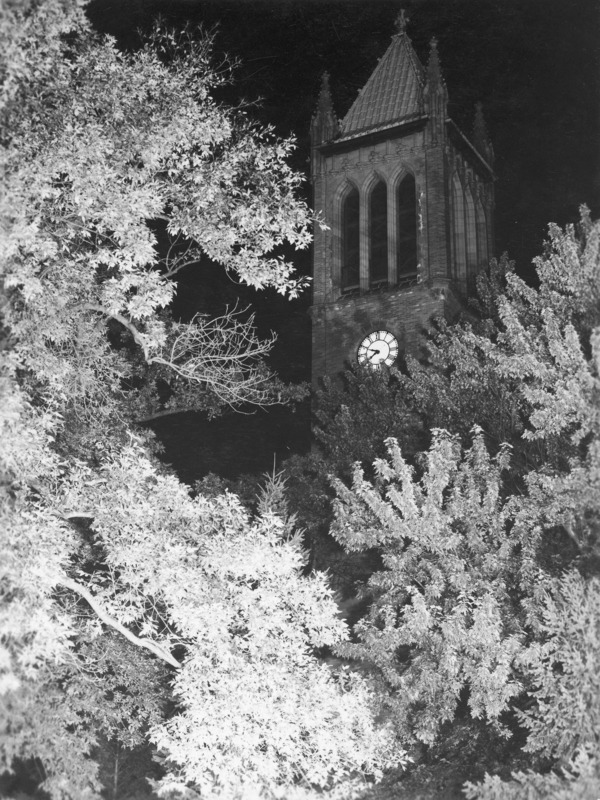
436,95
324,127
435,205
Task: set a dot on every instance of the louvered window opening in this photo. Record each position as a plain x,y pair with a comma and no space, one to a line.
459,233
378,237
471,231
482,243
350,277
407,228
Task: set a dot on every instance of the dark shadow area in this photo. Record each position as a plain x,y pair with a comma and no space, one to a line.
234,444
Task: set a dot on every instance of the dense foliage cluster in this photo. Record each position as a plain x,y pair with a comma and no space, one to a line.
487,596
132,612
105,155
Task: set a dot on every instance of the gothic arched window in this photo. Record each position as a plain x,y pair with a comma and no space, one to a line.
460,246
406,205
350,277
378,238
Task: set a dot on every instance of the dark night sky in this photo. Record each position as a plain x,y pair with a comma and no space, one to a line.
535,65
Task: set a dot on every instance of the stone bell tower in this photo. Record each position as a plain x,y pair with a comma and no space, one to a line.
408,199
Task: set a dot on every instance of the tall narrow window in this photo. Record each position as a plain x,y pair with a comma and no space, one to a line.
460,248
350,242
482,242
378,239
471,233
407,227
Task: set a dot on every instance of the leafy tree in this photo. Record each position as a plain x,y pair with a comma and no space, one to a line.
354,417
104,154
455,387
130,611
563,665
488,591
351,419
444,595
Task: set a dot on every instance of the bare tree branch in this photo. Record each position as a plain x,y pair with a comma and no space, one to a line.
178,266
223,354
150,645
175,261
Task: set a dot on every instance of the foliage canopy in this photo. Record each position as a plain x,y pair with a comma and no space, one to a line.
487,593
130,611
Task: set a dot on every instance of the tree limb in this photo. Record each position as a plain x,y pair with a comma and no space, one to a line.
153,647
174,270
224,354
124,322
165,412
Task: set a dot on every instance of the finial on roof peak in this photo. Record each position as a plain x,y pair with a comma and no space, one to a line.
324,122
433,66
401,21
325,91
435,88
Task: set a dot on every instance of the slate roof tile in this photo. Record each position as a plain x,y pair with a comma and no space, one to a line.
394,90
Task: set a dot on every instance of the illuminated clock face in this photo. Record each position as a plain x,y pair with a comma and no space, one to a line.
379,347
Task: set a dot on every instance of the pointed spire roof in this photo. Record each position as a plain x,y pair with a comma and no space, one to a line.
393,92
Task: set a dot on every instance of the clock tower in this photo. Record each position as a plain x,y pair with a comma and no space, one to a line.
408,200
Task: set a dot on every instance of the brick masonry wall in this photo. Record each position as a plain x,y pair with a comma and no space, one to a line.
339,327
